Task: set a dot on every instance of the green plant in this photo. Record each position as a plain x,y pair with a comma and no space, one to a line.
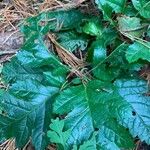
104,108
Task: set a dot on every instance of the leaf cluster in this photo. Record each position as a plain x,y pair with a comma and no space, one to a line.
105,113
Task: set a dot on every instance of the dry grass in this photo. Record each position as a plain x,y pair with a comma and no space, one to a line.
77,65
12,13
8,145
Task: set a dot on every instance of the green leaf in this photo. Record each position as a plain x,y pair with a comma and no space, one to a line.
105,112
14,70
108,35
130,10
28,110
93,28
53,20
138,50
54,79
1,93
143,7
79,119
56,134
89,145
83,105
106,74
27,102
112,136
105,8
131,25
135,115
97,52
72,40
113,66
109,6
37,55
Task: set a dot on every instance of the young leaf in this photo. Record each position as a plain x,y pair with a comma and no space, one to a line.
130,10
108,35
106,74
105,8
89,145
56,134
93,28
138,50
97,52
72,40
118,65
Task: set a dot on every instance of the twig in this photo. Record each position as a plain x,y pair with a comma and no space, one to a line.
70,59
9,36
7,52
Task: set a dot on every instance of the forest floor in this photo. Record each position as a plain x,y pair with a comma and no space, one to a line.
12,14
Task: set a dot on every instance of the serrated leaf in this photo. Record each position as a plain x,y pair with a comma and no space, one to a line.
97,114
28,107
72,40
14,71
82,107
138,50
111,136
131,25
135,115
143,7
56,134
37,55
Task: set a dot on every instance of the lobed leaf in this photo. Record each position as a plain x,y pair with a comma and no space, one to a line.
56,134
